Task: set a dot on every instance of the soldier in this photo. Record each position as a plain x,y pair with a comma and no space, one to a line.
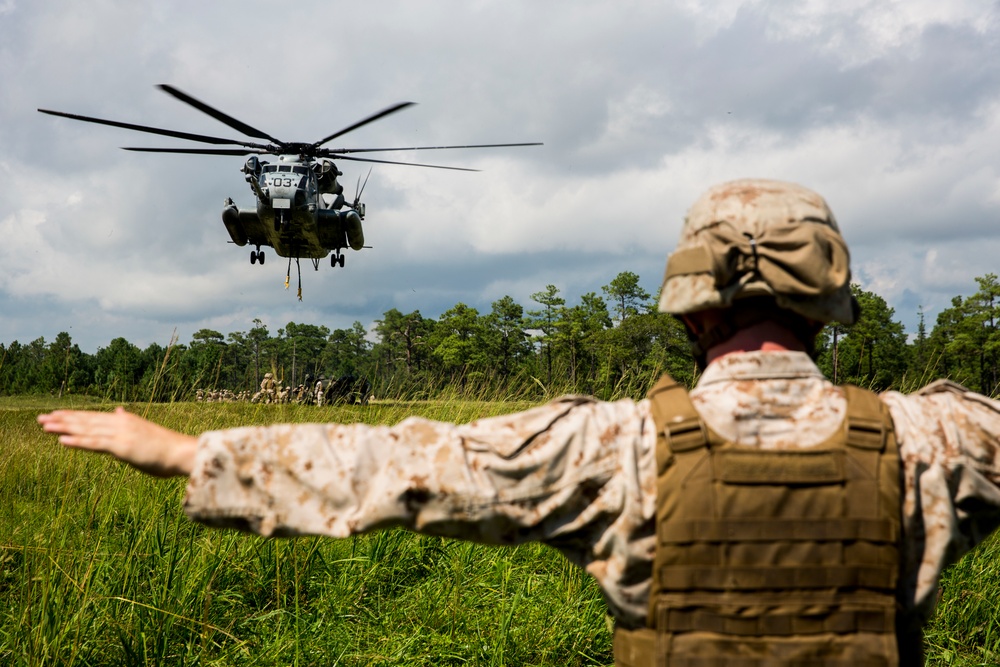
267,388
309,395
321,390
767,517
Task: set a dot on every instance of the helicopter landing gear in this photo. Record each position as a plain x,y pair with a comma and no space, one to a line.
257,256
337,259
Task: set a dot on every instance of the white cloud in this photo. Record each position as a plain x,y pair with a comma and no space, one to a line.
889,109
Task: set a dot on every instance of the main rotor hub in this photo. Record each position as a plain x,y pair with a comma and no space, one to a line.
301,149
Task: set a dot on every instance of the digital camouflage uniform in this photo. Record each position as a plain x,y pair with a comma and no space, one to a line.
580,474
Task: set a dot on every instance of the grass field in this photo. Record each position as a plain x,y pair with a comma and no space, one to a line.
99,566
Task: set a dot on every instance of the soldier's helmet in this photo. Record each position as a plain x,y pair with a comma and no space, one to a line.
267,375
761,238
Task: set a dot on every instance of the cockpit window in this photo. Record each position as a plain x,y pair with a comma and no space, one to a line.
300,170
270,168
284,167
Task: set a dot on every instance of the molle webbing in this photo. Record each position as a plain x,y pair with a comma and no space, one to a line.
771,558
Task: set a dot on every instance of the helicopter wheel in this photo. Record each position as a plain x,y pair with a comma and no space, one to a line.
253,256
260,257
340,260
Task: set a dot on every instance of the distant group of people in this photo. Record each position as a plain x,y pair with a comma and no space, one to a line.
321,391
221,396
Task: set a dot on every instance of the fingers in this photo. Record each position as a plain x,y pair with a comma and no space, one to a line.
95,431
142,444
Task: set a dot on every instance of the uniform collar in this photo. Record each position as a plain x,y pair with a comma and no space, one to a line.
760,366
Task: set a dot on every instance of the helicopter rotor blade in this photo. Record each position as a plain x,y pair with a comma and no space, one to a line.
237,125
428,148
205,139
358,196
381,114
405,164
360,188
197,151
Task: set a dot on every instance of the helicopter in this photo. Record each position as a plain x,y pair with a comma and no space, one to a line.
301,209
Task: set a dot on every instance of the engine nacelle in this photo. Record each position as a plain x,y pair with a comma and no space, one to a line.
351,222
231,219
252,165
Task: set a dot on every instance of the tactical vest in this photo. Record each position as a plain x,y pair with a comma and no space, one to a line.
771,558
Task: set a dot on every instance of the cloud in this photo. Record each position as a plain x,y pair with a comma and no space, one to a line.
891,110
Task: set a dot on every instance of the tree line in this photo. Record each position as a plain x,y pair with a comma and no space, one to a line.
610,345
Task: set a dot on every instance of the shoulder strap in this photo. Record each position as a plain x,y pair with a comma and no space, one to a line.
868,422
676,417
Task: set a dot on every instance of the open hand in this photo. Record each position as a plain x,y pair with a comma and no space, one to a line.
151,448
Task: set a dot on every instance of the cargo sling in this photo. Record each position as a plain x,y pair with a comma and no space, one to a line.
769,558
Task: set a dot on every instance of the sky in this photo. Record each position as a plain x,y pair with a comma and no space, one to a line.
889,109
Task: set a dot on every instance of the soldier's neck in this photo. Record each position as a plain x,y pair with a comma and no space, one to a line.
762,337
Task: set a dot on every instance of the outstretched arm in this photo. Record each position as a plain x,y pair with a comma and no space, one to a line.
151,448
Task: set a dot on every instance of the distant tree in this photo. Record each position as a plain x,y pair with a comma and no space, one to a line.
670,351
504,335
965,342
118,369
546,320
166,375
302,349
629,298
871,353
63,367
579,329
457,341
239,361
987,316
203,360
258,339
403,340
347,352
920,353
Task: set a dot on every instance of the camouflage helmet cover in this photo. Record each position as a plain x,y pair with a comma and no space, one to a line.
756,237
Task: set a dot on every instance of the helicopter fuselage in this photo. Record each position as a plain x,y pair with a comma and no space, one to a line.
300,210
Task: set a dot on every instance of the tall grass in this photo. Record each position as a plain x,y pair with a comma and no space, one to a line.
98,566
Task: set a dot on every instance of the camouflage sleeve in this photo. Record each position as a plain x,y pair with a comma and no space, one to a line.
949,440
575,473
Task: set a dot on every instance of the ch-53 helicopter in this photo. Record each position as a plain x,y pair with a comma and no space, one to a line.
301,209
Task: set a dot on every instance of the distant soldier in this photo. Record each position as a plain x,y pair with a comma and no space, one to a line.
320,393
309,390
267,388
